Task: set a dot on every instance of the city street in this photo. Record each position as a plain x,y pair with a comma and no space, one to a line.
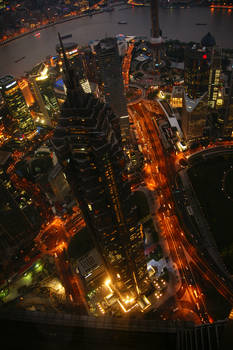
158,179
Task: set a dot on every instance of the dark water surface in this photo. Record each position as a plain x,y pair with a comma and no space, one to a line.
175,23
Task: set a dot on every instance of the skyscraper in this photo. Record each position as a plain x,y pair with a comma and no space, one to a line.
156,39
228,118
90,154
2,117
27,93
195,102
44,93
214,78
196,72
108,61
21,122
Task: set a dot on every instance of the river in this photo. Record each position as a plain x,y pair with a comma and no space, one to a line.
175,23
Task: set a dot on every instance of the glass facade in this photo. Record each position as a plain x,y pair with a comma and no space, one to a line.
44,93
21,122
228,118
109,65
214,78
86,145
196,72
194,117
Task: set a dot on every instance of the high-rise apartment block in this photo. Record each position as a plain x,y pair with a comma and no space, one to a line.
89,151
20,121
109,64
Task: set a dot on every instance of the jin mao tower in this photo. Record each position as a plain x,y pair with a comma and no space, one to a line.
89,151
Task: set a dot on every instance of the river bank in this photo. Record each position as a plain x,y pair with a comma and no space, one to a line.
2,43
63,20
178,24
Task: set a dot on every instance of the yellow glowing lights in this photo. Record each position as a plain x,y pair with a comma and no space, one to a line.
43,74
124,309
129,300
161,94
100,308
107,282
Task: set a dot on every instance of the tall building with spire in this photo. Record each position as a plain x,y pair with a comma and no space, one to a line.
156,39
89,151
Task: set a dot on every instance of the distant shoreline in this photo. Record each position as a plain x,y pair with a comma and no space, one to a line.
5,42
2,43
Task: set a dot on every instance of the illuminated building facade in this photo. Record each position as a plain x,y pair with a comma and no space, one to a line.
228,118
71,50
19,219
156,39
109,64
42,86
24,86
177,97
3,113
78,60
20,122
196,72
92,159
82,69
214,86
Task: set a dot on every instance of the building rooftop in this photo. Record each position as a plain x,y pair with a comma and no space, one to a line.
191,104
7,79
67,46
37,69
177,91
208,40
107,44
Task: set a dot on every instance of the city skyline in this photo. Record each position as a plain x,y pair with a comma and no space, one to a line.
116,165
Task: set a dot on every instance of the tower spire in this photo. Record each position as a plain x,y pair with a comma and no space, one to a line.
68,76
71,78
